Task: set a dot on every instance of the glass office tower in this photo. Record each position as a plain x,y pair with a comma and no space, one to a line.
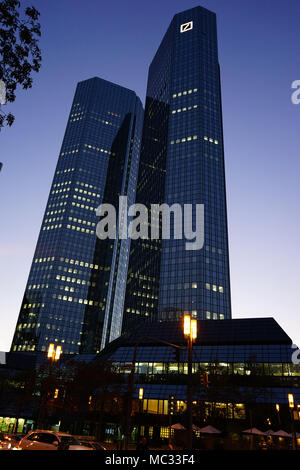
77,280
182,161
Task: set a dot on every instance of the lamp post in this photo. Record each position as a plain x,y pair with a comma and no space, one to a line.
53,355
130,390
190,332
291,407
141,396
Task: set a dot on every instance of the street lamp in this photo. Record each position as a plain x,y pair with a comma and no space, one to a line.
291,407
190,333
291,401
54,353
278,412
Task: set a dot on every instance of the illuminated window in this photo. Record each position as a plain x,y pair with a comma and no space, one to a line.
239,411
165,432
152,406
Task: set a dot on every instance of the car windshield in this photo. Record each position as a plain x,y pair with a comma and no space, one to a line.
98,446
86,444
69,440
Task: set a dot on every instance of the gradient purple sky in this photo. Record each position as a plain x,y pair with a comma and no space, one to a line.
116,40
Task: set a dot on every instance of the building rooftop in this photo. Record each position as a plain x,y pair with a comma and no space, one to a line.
256,331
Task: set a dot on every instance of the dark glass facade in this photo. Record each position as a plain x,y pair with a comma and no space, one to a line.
253,355
182,162
76,288
76,280
249,364
240,369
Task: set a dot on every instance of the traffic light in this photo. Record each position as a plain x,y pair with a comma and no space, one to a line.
56,393
296,415
172,402
204,379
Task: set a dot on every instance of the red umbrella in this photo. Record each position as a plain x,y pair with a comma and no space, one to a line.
255,431
281,433
209,430
178,426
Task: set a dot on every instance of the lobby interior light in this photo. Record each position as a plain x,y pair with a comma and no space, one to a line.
141,393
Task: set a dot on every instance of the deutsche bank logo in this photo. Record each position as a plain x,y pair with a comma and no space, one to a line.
186,27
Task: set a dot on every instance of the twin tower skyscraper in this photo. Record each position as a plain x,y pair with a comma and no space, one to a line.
83,291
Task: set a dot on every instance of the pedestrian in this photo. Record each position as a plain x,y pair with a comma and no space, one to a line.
142,445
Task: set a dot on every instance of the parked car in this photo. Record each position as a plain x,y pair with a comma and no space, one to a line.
4,443
7,442
50,440
14,438
91,444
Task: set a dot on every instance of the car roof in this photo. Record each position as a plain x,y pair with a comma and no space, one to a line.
49,431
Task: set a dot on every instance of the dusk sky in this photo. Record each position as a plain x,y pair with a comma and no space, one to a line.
116,40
